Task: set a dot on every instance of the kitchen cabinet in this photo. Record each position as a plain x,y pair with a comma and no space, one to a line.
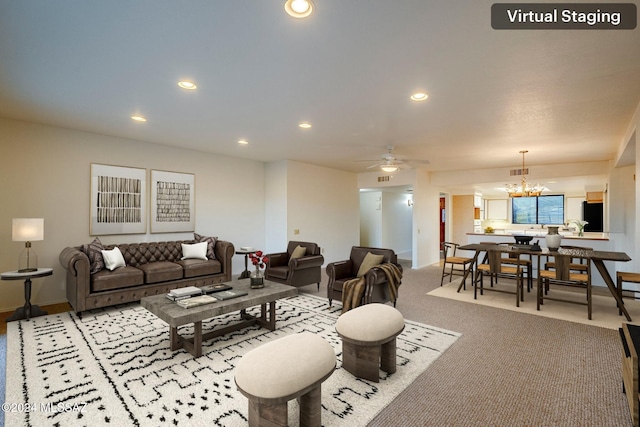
498,209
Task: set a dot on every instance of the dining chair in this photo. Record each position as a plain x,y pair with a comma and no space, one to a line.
626,277
577,265
495,269
452,260
513,259
563,274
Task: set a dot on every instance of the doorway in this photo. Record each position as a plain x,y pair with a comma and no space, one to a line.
386,219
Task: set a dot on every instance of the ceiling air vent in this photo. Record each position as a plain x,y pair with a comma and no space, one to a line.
383,178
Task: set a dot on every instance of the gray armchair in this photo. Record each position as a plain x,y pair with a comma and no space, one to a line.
295,268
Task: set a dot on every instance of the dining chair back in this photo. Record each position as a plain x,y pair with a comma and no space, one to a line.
496,268
458,266
563,274
577,265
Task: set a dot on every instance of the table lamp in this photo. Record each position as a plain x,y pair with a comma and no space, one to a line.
27,230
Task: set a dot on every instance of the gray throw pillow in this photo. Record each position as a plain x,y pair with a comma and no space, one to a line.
94,252
211,243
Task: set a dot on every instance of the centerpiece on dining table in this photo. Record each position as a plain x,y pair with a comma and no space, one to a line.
259,260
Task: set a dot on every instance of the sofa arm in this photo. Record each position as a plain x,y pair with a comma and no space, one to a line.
78,280
306,262
224,253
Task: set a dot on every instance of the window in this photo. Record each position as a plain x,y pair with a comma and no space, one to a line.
538,210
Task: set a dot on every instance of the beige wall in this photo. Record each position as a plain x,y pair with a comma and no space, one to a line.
45,172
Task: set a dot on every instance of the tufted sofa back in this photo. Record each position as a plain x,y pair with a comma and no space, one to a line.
136,254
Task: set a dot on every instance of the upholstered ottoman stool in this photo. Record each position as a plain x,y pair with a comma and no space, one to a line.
291,367
368,337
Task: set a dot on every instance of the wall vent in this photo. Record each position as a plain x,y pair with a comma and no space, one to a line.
383,178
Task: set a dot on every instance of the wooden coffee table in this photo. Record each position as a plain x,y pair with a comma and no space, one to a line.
177,316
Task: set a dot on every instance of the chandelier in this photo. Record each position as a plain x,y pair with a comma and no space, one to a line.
524,189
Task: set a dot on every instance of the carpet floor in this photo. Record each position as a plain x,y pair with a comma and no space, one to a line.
114,366
508,368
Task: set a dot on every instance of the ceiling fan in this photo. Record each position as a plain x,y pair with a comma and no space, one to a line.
390,162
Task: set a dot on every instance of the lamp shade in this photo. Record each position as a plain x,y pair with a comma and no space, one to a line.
27,229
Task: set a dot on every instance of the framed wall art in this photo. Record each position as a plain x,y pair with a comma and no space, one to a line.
172,202
118,200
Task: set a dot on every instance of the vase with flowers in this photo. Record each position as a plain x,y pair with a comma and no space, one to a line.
259,260
580,225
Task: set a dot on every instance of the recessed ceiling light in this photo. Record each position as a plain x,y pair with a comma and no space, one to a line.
299,8
419,96
187,85
304,125
243,142
138,118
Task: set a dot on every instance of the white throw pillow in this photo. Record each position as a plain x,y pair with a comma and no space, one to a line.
113,259
195,251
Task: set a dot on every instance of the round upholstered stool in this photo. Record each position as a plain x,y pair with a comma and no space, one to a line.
274,373
368,337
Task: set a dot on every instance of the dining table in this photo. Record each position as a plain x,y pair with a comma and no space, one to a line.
597,258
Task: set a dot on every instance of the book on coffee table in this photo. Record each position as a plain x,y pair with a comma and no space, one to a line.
228,294
218,287
187,291
196,301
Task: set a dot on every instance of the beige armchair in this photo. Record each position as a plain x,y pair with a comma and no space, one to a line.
376,283
299,266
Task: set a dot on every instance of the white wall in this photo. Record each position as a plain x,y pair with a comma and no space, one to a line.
621,202
322,203
276,206
397,223
45,172
371,219
426,221
386,221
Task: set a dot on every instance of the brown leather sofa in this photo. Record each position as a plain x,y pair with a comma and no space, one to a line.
376,285
297,272
151,268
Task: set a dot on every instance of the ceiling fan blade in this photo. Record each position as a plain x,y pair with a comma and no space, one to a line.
374,165
421,162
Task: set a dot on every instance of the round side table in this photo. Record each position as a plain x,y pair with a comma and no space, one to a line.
246,253
28,310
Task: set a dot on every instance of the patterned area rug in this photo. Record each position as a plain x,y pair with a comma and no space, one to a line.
114,367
